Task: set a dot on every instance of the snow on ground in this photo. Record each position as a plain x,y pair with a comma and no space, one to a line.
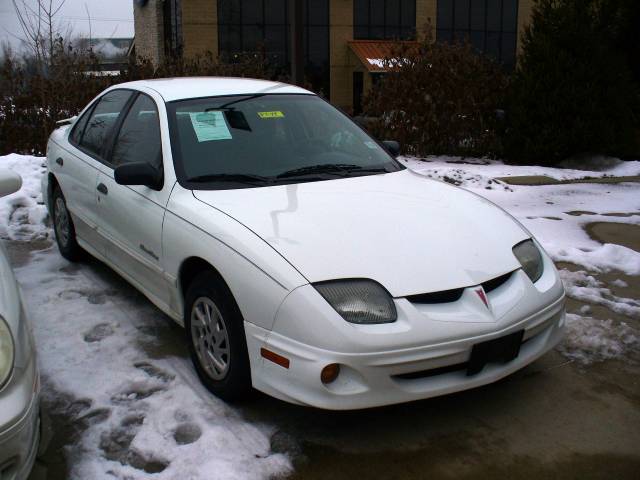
586,288
147,417
596,167
146,414
22,214
592,340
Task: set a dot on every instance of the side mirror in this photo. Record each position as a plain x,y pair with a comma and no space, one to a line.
10,182
392,147
138,173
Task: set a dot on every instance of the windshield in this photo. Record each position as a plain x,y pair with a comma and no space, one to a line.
244,141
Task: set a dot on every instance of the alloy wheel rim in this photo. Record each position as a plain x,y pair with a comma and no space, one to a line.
210,338
62,222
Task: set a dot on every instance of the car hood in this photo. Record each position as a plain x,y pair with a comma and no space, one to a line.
409,233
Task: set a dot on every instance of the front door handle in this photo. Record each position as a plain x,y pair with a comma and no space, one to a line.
59,161
102,188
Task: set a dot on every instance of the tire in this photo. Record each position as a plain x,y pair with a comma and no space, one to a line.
215,334
63,228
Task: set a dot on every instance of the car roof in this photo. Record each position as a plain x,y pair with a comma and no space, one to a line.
181,88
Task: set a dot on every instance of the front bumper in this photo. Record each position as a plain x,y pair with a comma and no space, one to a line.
20,423
421,355
378,379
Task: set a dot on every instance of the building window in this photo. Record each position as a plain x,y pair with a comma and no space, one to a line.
316,45
247,26
172,16
251,26
384,19
490,25
358,90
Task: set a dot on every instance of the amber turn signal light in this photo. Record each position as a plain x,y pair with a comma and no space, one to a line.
330,373
274,357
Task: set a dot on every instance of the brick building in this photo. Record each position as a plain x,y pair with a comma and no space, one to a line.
344,39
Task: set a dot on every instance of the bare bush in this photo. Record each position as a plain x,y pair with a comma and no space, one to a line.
439,99
32,99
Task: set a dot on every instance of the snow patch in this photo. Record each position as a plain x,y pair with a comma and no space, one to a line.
591,340
620,283
586,288
596,167
23,214
601,259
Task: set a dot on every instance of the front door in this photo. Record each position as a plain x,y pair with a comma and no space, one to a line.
131,216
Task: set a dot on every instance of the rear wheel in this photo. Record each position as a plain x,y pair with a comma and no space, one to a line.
63,228
215,335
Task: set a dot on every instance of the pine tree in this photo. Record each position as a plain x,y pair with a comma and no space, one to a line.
573,90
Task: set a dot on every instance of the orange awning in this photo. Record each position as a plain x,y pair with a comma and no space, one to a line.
373,52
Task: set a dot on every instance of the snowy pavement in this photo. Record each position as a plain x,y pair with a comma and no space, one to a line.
142,407
144,414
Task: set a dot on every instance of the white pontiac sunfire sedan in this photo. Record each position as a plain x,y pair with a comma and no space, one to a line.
300,256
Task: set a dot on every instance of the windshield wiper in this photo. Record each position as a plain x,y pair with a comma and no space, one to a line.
229,177
332,168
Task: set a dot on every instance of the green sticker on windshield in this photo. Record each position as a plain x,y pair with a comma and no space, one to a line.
210,126
277,114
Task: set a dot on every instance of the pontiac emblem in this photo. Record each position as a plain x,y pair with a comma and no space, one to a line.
483,296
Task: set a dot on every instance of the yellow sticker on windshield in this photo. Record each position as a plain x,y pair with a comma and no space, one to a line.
277,114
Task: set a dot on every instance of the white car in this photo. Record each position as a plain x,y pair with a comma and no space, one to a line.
19,378
300,256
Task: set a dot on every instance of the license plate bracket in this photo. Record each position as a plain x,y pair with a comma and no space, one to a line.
499,350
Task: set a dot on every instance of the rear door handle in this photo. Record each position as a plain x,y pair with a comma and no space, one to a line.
102,188
59,161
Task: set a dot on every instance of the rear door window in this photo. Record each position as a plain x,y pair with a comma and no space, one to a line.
78,128
102,121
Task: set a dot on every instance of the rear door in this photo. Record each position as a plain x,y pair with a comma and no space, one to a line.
131,216
77,168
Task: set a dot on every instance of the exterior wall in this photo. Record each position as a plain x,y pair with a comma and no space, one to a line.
342,59
525,8
426,18
199,27
200,35
149,32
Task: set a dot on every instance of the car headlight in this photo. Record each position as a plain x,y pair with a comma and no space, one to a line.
359,301
6,352
530,258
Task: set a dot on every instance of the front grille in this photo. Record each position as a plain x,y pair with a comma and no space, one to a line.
444,296
494,283
448,296
432,372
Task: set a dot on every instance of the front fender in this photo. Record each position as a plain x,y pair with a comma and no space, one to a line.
258,277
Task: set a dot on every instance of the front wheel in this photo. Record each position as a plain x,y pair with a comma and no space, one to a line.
63,228
216,338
